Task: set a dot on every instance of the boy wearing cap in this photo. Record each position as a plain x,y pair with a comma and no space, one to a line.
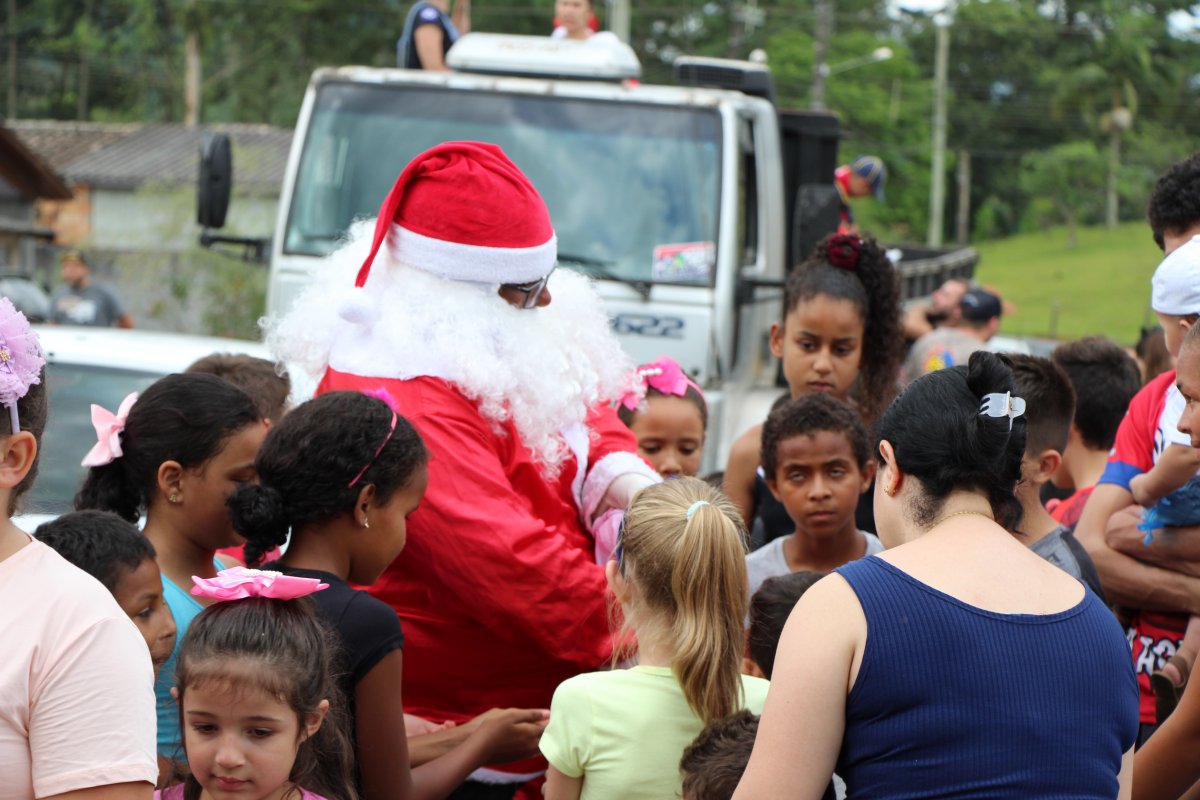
1160,599
865,176
951,346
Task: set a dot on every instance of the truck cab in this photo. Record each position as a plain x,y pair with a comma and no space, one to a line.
671,197
685,203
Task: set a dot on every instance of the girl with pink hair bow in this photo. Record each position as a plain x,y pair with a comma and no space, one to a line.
670,421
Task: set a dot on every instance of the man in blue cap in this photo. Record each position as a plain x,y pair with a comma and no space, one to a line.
865,176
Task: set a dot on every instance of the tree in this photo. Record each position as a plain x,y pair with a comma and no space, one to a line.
1070,176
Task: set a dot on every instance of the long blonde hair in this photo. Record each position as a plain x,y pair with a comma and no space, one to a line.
683,556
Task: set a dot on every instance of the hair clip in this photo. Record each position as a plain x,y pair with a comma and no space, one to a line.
664,376
692,508
21,359
844,251
238,583
108,432
1002,405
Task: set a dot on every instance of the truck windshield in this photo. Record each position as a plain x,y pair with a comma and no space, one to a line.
633,189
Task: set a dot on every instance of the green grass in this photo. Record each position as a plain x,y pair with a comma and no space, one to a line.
1102,286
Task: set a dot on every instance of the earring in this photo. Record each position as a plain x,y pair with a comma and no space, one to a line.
174,498
366,523
889,491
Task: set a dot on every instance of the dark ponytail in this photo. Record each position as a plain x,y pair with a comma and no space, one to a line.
182,418
846,267
309,462
941,438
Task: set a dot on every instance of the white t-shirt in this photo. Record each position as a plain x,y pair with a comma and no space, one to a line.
599,37
769,561
76,682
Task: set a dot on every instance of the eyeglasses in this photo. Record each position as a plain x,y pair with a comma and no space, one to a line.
532,291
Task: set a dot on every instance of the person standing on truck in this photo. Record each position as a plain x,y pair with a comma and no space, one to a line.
79,300
576,20
498,589
429,32
865,176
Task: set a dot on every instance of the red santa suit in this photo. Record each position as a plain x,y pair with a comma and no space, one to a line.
499,593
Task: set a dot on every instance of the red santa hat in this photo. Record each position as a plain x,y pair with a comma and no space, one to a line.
463,211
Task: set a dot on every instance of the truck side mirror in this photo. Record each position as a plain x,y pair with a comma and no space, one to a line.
215,180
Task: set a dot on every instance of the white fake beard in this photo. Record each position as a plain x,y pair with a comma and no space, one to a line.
543,368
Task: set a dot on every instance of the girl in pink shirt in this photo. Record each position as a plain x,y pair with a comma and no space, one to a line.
76,697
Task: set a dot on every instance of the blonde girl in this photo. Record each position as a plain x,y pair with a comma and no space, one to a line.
679,576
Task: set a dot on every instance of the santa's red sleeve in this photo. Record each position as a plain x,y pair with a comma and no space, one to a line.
612,452
493,542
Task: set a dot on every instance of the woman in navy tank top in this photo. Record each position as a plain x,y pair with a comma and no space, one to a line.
957,663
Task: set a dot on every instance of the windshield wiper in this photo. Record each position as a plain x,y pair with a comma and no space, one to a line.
603,269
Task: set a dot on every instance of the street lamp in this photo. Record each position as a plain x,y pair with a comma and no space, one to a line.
880,54
824,70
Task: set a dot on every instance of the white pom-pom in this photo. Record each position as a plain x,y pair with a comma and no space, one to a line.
359,308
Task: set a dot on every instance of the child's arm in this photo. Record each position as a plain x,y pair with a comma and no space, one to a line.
741,472
804,717
500,735
1166,765
561,787
1176,466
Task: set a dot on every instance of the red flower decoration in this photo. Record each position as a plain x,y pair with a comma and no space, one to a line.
844,251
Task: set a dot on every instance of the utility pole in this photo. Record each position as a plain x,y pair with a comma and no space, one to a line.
937,170
191,72
12,58
962,228
620,17
823,29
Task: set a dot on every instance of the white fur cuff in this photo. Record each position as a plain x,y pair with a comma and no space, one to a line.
607,470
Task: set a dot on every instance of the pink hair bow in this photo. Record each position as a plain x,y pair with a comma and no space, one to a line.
238,583
665,376
108,432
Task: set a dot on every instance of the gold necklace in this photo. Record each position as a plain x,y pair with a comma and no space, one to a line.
940,520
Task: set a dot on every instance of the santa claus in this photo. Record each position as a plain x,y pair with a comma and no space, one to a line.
506,368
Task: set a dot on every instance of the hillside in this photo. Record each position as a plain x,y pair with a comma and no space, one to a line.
1100,287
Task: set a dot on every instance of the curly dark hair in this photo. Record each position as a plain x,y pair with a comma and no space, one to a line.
182,418
849,268
1174,205
941,438
98,542
310,459
807,416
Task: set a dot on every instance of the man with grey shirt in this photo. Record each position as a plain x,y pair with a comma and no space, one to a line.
79,300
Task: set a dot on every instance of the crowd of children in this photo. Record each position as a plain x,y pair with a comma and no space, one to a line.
881,579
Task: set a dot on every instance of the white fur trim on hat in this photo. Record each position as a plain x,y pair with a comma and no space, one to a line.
1175,287
469,262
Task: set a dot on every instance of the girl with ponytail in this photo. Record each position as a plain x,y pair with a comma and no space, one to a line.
175,453
342,473
958,662
679,575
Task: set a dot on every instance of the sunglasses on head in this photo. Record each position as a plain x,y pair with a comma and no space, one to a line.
532,291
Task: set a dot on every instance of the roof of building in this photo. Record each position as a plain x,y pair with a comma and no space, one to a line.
26,172
128,156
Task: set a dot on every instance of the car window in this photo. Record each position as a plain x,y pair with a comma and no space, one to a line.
69,433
